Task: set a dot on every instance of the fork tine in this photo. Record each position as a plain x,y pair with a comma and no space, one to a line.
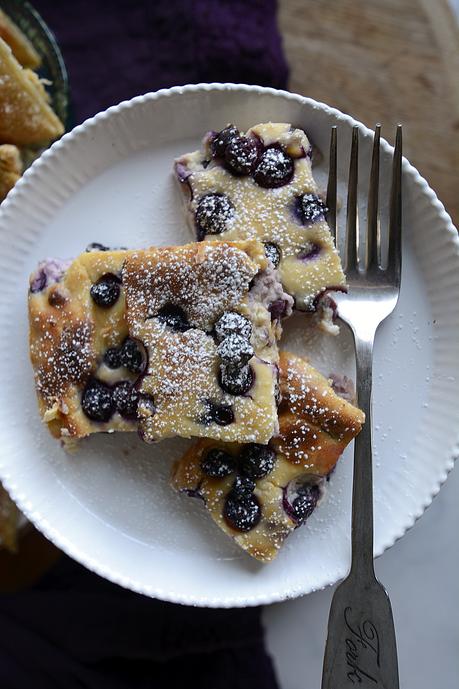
332,184
372,243
351,251
395,217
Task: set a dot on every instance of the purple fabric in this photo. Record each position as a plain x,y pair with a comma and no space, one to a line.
117,49
75,630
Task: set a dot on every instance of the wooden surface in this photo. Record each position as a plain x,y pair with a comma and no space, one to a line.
34,557
384,61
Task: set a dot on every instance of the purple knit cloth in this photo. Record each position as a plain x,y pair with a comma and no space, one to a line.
117,49
74,630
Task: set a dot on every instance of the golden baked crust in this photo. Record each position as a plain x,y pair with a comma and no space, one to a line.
309,263
26,118
316,423
22,48
178,390
315,426
10,168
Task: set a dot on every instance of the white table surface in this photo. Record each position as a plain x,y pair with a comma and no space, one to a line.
421,574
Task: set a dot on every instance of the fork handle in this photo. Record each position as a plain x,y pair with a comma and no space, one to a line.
362,495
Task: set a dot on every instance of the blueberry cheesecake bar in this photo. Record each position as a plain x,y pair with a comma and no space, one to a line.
85,364
204,313
259,493
167,341
260,185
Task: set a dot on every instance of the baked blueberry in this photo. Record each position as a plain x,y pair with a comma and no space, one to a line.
242,513
131,356
273,253
243,486
221,140
96,246
213,214
241,155
305,502
236,381
278,309
274,169
277,393
256,460
174,316
232,323
193,493
57,298
221,414
112,357
126,399
309,252
97,401
38,281
310,209
106,290
147,403
217,463
235,350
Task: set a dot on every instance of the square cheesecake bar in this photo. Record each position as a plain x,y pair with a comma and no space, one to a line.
76,321
167,341
260,185
259,493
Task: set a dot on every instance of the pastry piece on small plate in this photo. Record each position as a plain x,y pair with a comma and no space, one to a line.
10,168
22,48
258,494
167,341
260,184
26,118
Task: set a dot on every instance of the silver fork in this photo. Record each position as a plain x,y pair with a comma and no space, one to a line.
361,647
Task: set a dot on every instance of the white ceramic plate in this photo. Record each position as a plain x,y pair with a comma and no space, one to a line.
110,506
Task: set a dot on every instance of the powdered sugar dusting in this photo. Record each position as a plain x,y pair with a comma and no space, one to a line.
321,417
62,357
205,281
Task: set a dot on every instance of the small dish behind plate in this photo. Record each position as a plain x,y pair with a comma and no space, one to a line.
52,68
